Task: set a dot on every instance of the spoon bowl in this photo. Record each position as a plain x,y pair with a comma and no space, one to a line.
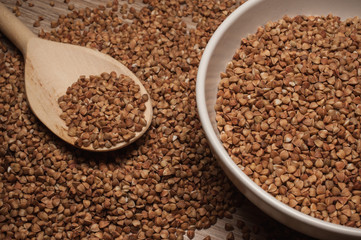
52,67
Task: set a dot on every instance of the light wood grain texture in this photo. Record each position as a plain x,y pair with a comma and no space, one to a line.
51,67
12,27
246,212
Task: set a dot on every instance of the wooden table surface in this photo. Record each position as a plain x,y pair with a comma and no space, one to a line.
247,212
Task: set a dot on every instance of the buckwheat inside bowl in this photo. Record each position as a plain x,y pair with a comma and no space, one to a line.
288,112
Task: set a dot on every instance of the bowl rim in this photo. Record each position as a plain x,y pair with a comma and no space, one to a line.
220,151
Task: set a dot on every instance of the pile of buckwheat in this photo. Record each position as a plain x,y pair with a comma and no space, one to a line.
289,114
164,185
102,111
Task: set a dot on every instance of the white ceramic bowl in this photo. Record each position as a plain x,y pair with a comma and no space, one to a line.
220,49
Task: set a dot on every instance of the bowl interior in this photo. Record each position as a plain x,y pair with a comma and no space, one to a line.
219,51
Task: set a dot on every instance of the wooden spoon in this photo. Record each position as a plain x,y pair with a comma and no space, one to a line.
52,67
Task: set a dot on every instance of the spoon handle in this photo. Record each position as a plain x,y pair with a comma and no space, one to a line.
14,29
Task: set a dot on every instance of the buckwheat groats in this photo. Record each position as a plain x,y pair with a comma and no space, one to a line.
159,187
288,113
102,111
